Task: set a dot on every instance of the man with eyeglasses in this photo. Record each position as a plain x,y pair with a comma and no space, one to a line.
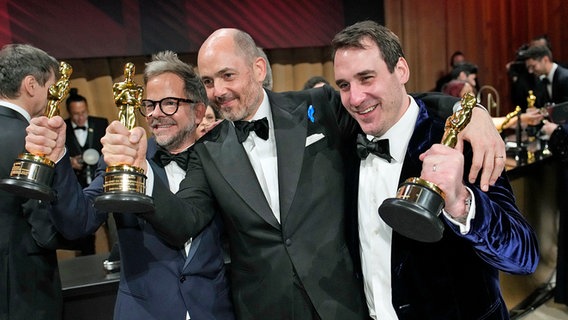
167,271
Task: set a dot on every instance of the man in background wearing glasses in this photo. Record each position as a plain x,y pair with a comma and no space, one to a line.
167,272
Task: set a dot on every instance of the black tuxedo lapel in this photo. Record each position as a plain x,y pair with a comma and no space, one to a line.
233,163
74,146
150,152
90,134
290,129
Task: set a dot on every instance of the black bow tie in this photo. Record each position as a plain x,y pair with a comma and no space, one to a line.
379,148
163,158
80,128
243,128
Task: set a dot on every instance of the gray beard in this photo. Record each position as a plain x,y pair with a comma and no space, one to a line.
178,140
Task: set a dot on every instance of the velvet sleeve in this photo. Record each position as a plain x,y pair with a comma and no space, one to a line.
499,233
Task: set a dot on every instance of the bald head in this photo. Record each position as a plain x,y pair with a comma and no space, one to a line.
232,72
230,40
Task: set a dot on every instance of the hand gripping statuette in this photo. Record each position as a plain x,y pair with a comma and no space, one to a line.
125,185
418,203
32,174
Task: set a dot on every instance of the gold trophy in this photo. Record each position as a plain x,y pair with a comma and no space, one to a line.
418,203
125,185
32,174
531,99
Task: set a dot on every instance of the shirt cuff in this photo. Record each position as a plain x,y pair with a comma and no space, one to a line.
464,228
63,155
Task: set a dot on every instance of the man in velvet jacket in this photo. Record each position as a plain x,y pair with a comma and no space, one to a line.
168,271
456,277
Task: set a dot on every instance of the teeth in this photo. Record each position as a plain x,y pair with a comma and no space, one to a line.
367,110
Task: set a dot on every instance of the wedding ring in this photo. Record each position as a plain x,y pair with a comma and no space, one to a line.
500,157
434,168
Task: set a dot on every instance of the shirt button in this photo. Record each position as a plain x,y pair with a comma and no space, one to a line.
288,242
182,279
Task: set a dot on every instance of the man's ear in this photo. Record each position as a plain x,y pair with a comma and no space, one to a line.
199,112
402,69
29,85
259,68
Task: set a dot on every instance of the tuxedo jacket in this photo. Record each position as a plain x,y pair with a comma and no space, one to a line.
96,131
157,281
456,277
560,85
29,278
306,254
559,88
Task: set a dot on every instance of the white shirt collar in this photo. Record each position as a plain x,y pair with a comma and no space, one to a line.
264,110
399,134
550,75
17,108
74,125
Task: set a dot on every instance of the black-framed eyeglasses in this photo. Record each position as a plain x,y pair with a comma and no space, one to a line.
169,106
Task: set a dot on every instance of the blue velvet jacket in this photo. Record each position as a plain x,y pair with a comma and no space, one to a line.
457,277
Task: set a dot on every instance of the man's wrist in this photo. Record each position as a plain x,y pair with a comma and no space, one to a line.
467,203
458,106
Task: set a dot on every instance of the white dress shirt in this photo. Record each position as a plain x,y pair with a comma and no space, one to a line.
262,156
378,180
550,77
81,135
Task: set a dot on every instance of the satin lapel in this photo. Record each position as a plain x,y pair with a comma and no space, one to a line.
290,129
232,161
74,142
90,134
422,139
158,171
192,250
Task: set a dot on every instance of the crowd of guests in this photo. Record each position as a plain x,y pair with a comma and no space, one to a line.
538,85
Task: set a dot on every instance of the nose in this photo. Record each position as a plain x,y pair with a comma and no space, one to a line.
218,90
157,112
356,95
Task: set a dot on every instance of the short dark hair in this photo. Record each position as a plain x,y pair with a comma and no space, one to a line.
538,52
387,42
465,67
18,61
313,81
74,96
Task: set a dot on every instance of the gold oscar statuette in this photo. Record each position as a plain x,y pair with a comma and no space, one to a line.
124,186
418,203
32,174
531,99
